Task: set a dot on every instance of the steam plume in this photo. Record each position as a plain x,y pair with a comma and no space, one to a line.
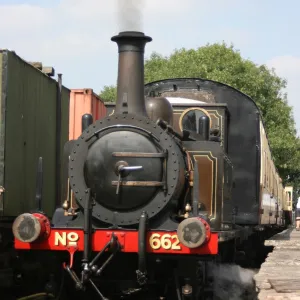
130,14
231,282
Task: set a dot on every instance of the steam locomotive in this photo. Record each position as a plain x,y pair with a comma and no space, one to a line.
178,174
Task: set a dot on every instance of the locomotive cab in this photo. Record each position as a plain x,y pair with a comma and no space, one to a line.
209,154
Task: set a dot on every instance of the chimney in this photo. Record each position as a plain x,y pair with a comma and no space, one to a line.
130,89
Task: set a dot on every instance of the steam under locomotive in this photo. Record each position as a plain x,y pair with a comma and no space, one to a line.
157,189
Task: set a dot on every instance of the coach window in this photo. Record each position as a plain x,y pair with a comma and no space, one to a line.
189,120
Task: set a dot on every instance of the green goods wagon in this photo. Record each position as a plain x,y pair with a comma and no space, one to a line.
28,130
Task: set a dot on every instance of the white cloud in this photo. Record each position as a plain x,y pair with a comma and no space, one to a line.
73,36
24,16
288,67
73,26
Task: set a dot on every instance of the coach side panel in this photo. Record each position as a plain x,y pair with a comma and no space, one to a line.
270,185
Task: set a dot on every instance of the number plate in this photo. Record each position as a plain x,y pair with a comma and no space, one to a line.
164,241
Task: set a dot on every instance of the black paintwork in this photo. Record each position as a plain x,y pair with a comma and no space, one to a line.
215,109
222,202
243,136
117,209
130,86
159,108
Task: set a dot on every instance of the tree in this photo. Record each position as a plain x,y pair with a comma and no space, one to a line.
109,93
225,64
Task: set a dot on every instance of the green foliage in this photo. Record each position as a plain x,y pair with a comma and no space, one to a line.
223,63
109,93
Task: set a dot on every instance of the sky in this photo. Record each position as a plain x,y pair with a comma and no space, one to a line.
73,36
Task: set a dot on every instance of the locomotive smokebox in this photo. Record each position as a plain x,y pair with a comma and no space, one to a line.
130,90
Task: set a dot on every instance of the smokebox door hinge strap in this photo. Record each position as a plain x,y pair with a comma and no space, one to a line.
137,183
140,154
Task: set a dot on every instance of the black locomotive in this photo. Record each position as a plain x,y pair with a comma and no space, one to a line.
160,189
